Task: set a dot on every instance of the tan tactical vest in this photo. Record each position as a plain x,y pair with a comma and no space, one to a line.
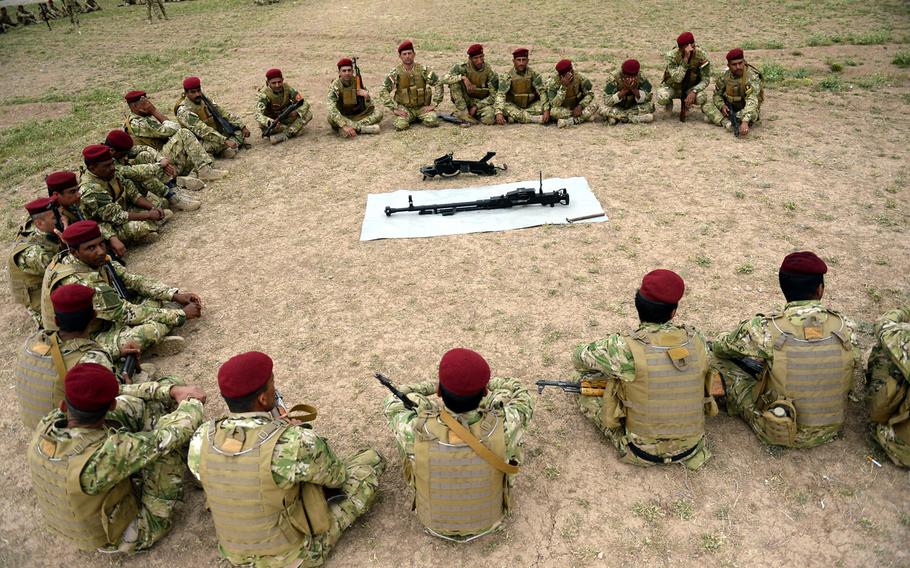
480,80
156,143
90,521
277,102
57,271
695,64
200,110
813,367
666,399
573,93
26,288
252,515
347,101
412,90
735,90
522,93
458,493
627,101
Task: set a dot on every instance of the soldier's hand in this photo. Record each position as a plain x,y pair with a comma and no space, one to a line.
743,128
117,246
192,310
545,118
500,119
400,112
426,109
725,110
472,111
688,51
293,115
349,132
246,132
156,214
231,144
576,112
181,393
184,298
468,85
690,98
168,167
567,79
363,93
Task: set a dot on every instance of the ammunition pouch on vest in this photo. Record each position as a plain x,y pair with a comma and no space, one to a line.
200,110
156,143
90,521
573,93
56,271
522,93
347,102
735,89
694,69
277,102
25,288
480,80
254,516
412,91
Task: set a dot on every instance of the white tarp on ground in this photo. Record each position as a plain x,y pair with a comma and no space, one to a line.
406,225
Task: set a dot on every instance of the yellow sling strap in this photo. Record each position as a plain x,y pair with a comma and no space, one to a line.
57,356
476,445
308,413
115,185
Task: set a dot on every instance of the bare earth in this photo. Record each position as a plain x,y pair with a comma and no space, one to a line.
275,254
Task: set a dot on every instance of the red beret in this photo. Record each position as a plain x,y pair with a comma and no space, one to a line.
564,66
81,232
406,45
520,52
58,181
72,298
96,153
192,83
42,205
345,62
475,49
663,286
685,39
735,54
244,374
463,372
804,262
119,140
273,73
90,387
133,96
631,67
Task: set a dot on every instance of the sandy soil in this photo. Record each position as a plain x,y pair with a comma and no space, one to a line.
275,253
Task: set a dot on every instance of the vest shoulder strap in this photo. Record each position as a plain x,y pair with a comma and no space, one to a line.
484,452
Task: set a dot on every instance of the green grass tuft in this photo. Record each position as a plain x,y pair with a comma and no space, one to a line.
901,59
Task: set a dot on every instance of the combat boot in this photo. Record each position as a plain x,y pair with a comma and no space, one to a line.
190,183
169,345
642,119
371,129
535,119
208,173
565,122
182,202
228,153
278,138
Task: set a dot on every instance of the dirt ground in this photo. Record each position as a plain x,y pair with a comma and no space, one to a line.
275,254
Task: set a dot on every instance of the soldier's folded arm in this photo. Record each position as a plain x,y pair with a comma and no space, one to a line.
313,461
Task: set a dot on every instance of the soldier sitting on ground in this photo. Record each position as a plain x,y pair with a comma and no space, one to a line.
351,110
473,86
689,64
24,17
522,95
627,96
738,89
194,114
273,99
570,96
412,91
888,385
35,246
5,19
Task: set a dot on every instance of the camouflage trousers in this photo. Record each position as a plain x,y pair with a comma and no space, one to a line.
592,406
158,5
429,119
133,231
293,127
514,113
714,114
70,9
637,114
160,483
665,95
145,334
370,117
587,114
185,151
886,393
216,148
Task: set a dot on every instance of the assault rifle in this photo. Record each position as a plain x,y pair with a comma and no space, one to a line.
358,85
128,368
447,166
408,403
284,114
751,365
42,8
585,387
226,127
731,115
520,196
452,119
683,92
280,409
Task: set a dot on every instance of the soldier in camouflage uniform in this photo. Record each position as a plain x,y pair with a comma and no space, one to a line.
570,96
72,8
24,17
522,95
473,86
149,127
310,497
272,100
53,10
5,19
351,110
143,320
740,87
809,354
627,96
159,7
630,373
92,6
64,187
406,91
192,113
35,245
888,385
83,459
686,58
432,442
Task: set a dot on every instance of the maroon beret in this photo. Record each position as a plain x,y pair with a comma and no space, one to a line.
119,140
133,96
735,54
405,45
90,387
58,181
244,374
273,73
96,153
685,39
475,49
41,205
804,262
463,372
631,67
192,83
345,62
663,286
564,66
72,298
520,52
81,232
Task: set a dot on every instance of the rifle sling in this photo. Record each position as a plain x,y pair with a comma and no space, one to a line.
654,459
484,452
57,356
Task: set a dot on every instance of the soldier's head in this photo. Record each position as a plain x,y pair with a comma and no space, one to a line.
406,52
658,296
630,69
564,69
90,392
41,212
475,54
463,378
802,276
83,238
736,62
99,160
274,79
192,88
346,70
64,186
684,40
137,102
73,308
120,143
520,59
246,382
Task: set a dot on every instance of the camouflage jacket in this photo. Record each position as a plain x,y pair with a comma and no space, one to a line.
556,91
94,353
614,86
888,373
893,333
390,87
505,85
460,95
141,164
148,131
41,249
332,102
263,104
101,199
676,69
188,116
753,90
